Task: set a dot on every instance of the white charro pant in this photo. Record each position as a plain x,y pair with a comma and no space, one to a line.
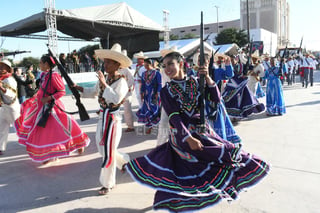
8,114
137,89
128,117
108,175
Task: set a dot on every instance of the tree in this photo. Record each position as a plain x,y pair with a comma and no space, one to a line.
189,35
29,61
174,37
232,35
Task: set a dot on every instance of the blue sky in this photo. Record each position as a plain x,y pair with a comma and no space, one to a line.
182,13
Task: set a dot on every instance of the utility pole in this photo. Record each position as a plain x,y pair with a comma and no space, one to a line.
51,23
217,18
248,21
166,36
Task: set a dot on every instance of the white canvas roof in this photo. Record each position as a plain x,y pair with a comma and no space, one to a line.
115,22
87,23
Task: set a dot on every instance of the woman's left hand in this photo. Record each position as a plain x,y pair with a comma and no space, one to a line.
46,99
203,70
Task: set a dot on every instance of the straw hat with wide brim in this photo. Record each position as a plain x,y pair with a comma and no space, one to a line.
172,49
218,56
114,54
6,62
255,55
139,55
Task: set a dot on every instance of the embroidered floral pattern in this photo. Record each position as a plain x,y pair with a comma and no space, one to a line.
148,76
109,81
188,98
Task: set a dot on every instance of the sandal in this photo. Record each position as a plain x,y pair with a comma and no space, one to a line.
103,191
50,161
123,168
129,130
148,132
81,151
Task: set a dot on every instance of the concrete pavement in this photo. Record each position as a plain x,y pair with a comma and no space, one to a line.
290,143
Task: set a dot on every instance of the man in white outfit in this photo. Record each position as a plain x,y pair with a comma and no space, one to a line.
255,74
127,104
138,70
9,104
111,91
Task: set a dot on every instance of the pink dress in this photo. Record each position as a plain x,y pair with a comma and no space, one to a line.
61,135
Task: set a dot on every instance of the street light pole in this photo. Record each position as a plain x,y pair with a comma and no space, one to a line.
248,21
217,18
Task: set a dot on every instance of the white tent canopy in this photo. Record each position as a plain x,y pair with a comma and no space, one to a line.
116,22
229,49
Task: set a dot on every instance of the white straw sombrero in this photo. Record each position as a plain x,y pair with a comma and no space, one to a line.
114,54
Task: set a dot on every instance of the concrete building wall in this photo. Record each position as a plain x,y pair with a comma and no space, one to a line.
271,15
211,28
269,40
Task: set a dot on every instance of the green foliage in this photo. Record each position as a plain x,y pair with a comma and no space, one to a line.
174,37
189,35
232,35
28,61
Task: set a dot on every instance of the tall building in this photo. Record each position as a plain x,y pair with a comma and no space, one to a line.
270,15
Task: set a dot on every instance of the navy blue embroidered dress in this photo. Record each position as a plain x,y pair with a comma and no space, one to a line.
149,113
239,100
188,180
274,99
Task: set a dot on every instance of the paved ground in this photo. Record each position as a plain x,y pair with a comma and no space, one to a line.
290,143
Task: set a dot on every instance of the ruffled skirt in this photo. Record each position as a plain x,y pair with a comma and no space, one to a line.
61,135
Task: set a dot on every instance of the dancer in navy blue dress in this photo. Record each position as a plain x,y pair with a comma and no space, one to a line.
193,170
150,112
275,101
238,99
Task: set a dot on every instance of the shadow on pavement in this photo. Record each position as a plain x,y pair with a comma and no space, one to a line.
259,116
109,210
304,104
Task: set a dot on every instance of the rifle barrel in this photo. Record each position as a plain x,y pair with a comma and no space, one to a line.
202,78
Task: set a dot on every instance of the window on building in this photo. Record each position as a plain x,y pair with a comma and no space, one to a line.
182,31
193,30
206,28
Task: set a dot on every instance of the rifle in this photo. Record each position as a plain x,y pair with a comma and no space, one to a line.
45,114
82,111
300,45
202,79
248,63
46,109
211,63
14,53
282,59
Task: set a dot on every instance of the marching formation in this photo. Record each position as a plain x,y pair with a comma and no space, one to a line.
191,167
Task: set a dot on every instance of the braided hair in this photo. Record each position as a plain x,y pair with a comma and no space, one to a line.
47,58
